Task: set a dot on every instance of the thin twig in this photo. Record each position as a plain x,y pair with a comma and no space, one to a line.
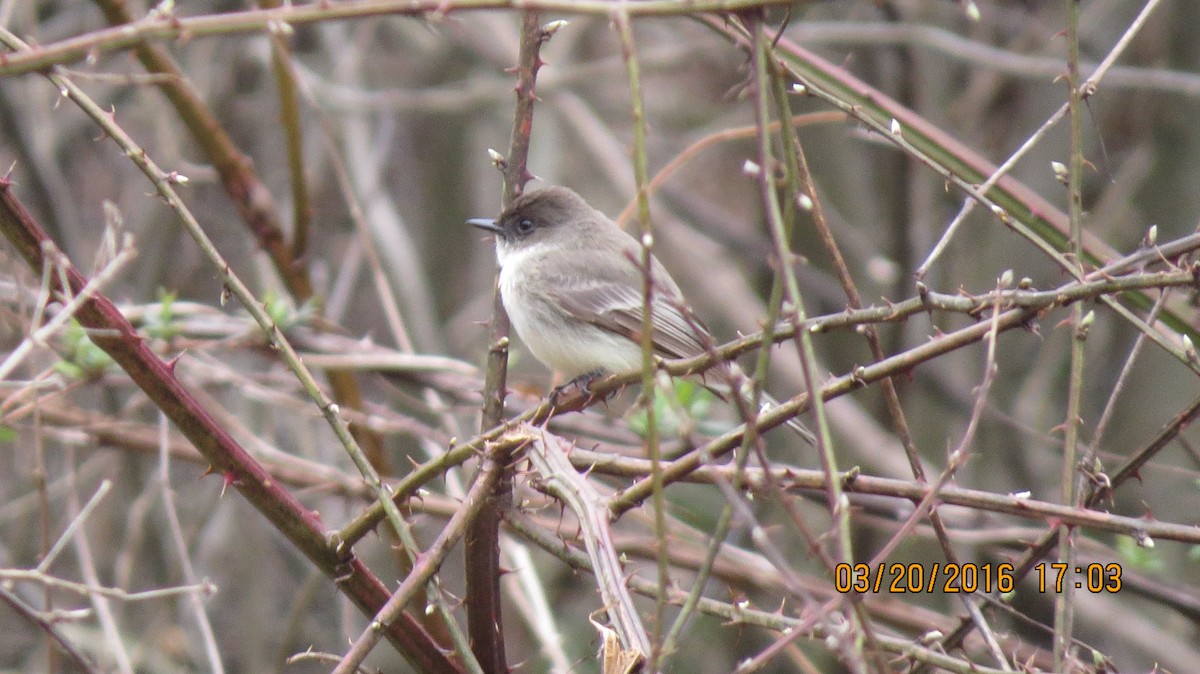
1064,605
171,512
78,658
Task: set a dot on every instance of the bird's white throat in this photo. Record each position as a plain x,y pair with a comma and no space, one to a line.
510,256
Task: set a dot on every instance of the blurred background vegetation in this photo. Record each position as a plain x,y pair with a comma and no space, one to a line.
395,116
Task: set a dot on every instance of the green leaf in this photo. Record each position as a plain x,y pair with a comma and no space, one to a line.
282,312
682,403
162,324
82,358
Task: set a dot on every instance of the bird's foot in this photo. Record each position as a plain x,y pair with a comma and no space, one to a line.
583,382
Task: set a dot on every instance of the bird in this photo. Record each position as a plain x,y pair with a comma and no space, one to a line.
573,285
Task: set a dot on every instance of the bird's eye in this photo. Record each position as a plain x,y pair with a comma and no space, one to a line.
525,226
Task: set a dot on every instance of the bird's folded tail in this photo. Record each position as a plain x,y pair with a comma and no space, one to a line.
765,401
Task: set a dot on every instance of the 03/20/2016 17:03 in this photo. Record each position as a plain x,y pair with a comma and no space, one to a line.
913,578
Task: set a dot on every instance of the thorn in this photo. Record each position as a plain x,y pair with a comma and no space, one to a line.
228,478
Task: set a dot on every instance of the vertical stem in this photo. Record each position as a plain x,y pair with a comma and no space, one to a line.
838,504
43,492
1063,612
629,53
482,542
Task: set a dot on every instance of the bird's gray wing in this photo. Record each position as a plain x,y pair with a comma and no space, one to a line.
611,298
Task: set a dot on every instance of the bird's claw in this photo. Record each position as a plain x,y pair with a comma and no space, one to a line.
583,382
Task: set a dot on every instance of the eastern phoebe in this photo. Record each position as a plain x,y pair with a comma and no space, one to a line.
572,284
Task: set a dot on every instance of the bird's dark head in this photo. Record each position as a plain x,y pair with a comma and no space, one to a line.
540,214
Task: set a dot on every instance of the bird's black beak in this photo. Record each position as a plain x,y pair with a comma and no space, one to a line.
488,224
